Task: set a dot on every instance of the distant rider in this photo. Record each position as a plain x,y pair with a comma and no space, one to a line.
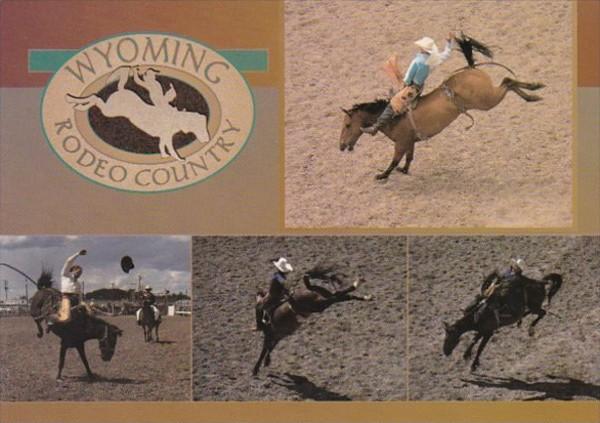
147,298
277,293
413,82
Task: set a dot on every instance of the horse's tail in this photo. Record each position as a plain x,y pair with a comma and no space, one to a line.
556,282
468,44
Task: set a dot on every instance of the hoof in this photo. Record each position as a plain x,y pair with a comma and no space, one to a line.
368,297
381,176
467,355
402,170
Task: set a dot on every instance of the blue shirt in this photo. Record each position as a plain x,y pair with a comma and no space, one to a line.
419,70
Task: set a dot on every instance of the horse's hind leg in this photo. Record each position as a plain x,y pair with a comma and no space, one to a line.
482,345
156,333
540,314
398,154
515,86
81,351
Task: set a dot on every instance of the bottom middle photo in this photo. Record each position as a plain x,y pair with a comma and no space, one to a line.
299,318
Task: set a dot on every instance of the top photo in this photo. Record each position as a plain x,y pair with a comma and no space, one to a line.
429,114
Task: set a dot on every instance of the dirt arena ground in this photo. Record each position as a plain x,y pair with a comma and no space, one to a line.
560,362
512,169
352,351
137,372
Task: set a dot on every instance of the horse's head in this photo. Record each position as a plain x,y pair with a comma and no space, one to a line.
451,339
108,342
351,129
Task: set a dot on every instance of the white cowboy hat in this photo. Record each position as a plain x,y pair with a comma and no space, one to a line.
148,288
427,44
283,265
520,263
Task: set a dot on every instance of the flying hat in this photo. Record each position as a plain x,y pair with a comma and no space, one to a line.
283,265
127,264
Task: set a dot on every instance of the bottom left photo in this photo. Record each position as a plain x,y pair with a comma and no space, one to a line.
95,318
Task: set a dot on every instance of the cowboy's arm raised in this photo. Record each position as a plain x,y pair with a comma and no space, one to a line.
445,54
69,263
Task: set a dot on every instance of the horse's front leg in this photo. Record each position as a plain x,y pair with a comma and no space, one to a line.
40,331
61,361
398,154
82,355
482,345
269,350
469,350
156,332
409,158
263,353
540,314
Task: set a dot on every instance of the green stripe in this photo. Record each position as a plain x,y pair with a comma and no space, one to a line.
49,61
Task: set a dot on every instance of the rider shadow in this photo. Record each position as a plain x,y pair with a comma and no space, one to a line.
564,389
306,388
165,342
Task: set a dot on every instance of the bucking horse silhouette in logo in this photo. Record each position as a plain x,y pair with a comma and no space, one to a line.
159,119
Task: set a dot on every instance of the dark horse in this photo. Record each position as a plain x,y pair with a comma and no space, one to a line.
517,303
73,334
466,89
148,322
300,304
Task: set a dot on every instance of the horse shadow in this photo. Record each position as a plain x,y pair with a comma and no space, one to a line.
165,342
102,379
558,388
305,388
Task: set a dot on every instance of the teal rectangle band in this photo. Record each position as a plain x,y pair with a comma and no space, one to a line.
49,61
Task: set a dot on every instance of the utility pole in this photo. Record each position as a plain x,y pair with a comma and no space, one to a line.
26,292
5,291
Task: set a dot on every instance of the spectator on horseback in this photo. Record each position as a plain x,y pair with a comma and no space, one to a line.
510,276
414,79
70,286
277,293
147,298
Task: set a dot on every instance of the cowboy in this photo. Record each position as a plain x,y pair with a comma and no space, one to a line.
70,287
420,68
277,293
487,299
148,81
148,298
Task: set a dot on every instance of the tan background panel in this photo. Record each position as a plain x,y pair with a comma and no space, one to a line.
295,412
40,195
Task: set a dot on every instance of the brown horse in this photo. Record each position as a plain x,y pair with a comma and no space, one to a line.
288,316
467,89
525,298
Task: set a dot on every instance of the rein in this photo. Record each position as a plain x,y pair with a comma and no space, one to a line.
20,272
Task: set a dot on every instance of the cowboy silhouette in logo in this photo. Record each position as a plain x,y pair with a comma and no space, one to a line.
160,119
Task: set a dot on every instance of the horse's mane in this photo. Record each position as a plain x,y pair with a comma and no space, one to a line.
375,106
45,280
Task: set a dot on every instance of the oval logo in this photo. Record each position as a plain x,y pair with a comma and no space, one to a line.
147,112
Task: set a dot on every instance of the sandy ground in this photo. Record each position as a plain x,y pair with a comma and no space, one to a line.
513,169
137,372
352,351
559,362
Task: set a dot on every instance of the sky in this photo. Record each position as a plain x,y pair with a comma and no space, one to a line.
162,261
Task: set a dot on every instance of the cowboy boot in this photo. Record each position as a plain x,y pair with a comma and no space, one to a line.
383,119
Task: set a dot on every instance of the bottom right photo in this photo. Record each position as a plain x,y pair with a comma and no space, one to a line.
504,318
